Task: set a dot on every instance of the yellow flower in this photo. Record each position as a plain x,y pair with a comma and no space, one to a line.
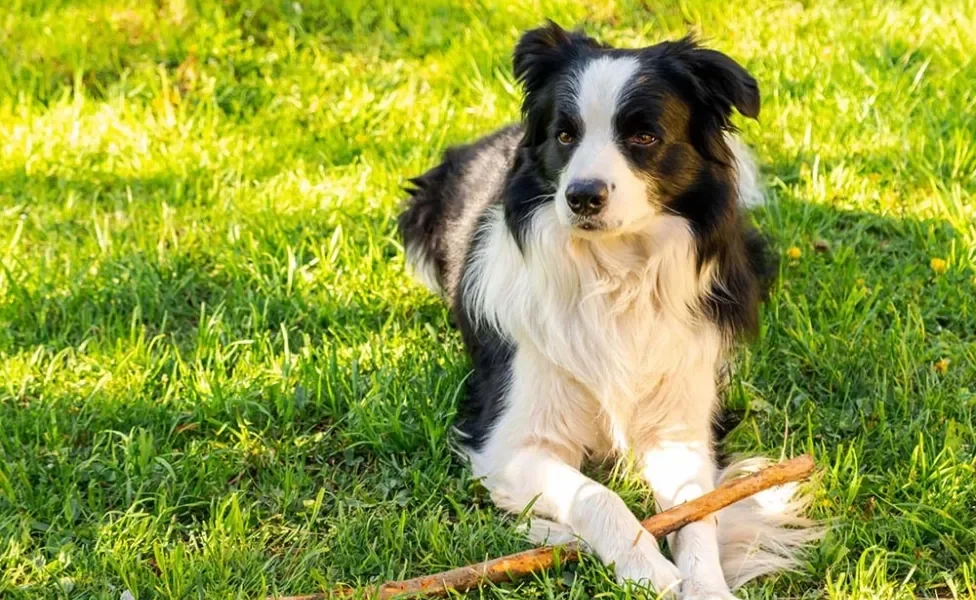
794,253
939,265
941,365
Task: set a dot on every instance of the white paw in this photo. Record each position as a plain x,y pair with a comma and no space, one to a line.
644,565
695,590
709,595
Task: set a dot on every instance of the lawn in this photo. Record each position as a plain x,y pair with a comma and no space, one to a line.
217,380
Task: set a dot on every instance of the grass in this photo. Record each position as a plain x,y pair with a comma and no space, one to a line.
216,380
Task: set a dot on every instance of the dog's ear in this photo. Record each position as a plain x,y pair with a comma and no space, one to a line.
540,56
726,82
717,81
715,84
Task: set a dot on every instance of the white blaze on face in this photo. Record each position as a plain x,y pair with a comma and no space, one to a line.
598,90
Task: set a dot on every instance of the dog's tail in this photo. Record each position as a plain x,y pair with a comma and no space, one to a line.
765,532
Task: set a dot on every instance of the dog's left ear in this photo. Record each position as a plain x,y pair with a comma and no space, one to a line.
715,84
714,79
726,82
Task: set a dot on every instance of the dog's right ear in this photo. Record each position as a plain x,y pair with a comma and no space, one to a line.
541,55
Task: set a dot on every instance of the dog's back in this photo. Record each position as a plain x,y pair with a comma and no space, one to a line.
445,203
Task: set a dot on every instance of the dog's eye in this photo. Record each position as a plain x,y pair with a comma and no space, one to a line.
565,138
642,139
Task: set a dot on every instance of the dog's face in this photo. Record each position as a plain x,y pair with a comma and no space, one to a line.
622,136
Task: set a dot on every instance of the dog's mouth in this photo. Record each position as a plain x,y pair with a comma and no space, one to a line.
592,227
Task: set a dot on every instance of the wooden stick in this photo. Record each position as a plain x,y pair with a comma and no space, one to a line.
508,568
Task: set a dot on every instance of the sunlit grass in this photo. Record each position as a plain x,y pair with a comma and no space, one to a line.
217,381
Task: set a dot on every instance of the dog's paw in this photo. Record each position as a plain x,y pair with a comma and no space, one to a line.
695,590
644,565
709,595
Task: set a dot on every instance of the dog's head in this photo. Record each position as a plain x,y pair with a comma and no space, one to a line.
616,137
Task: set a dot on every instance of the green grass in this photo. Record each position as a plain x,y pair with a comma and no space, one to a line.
217,381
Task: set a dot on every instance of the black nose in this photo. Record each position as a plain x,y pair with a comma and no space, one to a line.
587,197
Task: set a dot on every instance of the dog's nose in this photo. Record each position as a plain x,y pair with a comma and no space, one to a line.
587,197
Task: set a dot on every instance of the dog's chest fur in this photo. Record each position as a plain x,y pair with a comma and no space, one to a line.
618,319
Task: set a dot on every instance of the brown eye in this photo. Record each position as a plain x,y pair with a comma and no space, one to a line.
643,139
565,138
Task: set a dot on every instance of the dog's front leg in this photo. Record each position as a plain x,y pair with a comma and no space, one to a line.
532,456
679,467
536,475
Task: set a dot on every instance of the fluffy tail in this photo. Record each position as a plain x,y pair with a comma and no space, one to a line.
766,532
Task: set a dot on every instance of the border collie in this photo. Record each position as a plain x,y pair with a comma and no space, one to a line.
598,266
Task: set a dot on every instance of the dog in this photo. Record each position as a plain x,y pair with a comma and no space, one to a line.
598,264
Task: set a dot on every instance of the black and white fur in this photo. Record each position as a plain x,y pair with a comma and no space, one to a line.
602,330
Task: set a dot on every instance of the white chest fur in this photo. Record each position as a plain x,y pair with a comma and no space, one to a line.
616,317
